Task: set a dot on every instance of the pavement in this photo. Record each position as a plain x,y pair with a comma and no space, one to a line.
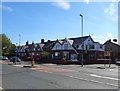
99,69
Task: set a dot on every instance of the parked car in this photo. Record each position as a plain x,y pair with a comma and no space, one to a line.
117,62
3,58
15,59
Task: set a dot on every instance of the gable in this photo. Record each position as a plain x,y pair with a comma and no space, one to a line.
66,45
57,46
88,41
38,48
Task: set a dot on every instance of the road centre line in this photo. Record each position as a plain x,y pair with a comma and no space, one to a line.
98,76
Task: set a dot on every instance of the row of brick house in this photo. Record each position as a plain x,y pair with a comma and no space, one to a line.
65,49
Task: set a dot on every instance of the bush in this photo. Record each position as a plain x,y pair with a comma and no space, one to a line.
23,58
64,60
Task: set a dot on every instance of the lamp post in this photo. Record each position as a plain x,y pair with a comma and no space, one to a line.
82,38
19,39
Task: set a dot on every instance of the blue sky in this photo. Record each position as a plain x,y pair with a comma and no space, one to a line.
56,20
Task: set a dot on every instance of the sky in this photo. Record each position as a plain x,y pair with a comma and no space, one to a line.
34,21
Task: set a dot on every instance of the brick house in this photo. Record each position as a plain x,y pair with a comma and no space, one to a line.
72,48
68,48
113,48
63,49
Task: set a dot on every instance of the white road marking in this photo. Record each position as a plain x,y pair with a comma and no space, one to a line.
48,71
111,70
94,81
1,88
94,75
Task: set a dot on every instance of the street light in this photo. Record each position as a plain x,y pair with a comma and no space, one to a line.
82,38
19,39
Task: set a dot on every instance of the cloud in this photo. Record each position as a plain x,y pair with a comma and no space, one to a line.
7,8
111,11
95,17
87,1
62,4
103,38
115,0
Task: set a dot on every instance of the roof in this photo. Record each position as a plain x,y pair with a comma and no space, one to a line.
70,41
60,41
111,43
24,47
48,45
41,45
79,40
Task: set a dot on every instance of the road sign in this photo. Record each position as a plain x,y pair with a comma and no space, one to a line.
16,50
106,53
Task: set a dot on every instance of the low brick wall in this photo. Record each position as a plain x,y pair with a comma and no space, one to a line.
78,62
61,62
99,61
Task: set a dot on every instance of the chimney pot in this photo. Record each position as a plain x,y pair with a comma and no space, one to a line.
42,40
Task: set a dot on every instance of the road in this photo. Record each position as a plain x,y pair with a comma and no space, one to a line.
57,77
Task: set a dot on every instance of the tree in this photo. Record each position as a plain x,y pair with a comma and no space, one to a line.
7,45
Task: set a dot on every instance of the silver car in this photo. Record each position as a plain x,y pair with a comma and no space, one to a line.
117,62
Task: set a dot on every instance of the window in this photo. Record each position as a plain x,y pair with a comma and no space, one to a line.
73,56
65,46
38,49
33,53
91,47
27,50
57,47
33,49
37,54
77,46
66,55
57,54
82,46
92,56
86,47
100,46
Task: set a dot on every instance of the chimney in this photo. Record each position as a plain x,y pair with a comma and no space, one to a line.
33,43
27,43
109,40
48,40
42,40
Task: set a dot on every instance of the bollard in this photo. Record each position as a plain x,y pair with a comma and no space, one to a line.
33,62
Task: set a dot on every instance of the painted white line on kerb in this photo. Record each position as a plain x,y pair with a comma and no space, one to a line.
104,77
